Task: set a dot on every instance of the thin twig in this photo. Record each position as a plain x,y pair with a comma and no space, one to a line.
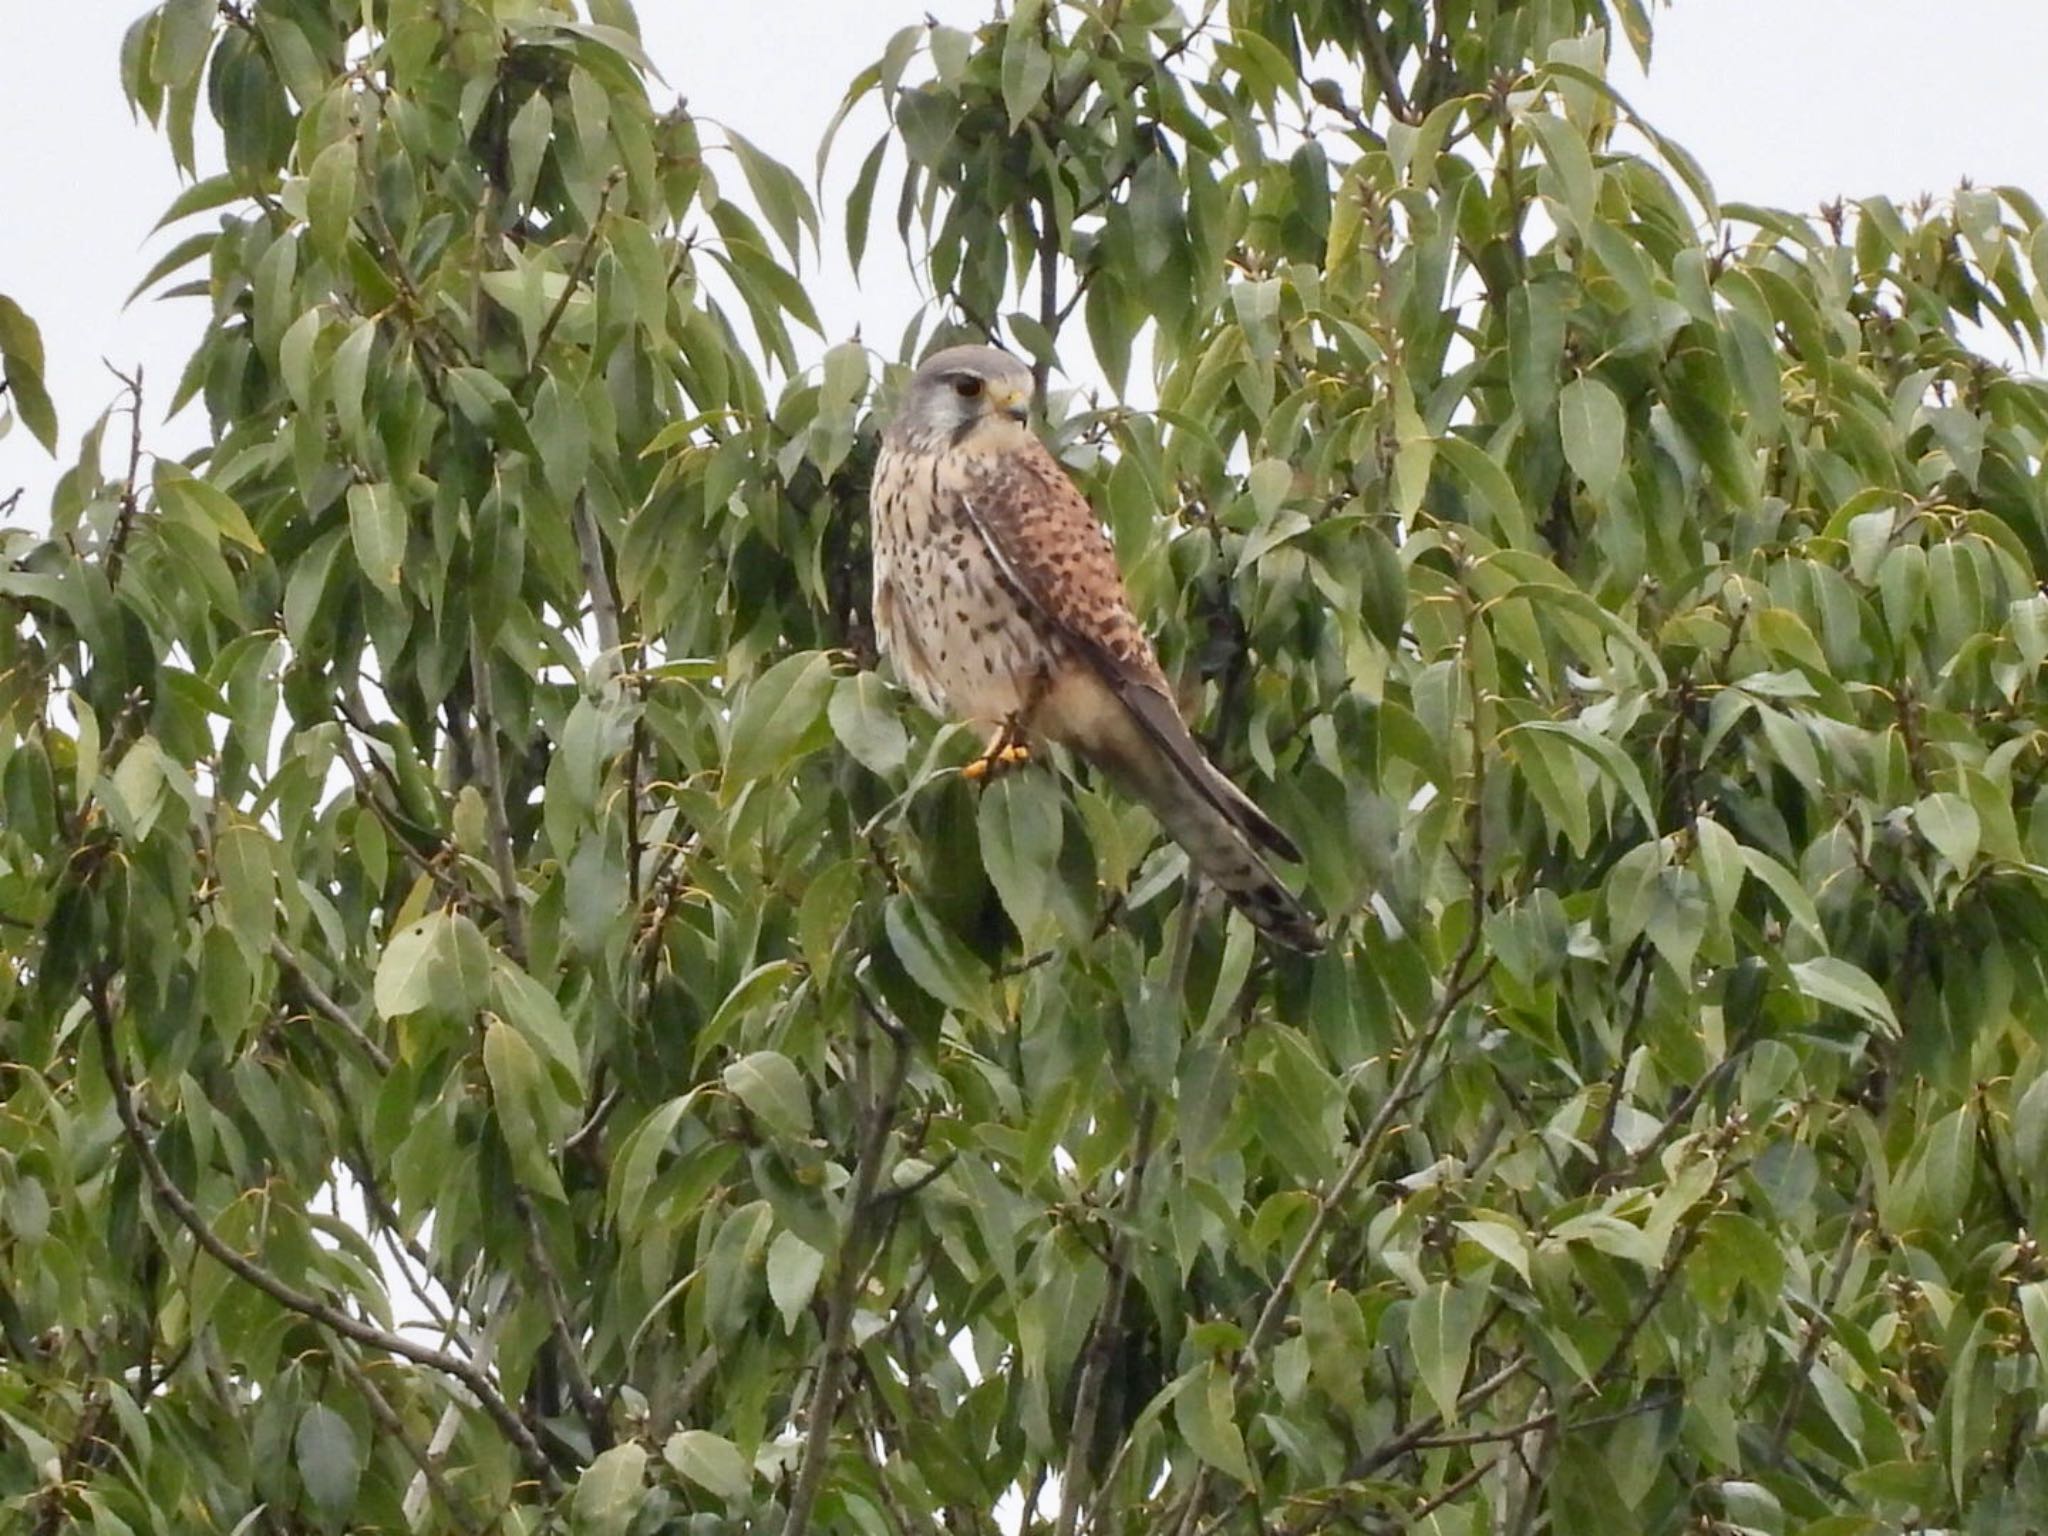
124,522
600,1112
288,1296
577,274
589,1401
324,1005
1456,990
492,764
1459,983
1423,1430
852,1270
1383,72
394,1426
1102,1338
1048,293
1817,1325
604,602
1425,1510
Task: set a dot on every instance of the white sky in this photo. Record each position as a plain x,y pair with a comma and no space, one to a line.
1784,102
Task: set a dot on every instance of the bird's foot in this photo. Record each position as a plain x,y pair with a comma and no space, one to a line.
1003,754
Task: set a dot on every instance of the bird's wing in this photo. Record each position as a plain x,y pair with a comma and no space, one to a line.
1048,545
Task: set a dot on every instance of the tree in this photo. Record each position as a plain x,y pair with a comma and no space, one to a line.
461,785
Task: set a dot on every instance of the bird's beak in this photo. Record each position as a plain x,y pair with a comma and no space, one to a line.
1013,402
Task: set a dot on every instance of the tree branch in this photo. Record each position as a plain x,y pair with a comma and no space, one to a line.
577,274
287,1296
1101,1347
124,523
388,1420
604,602
326,1006
853,1261
1462,979
1817,1325
590,1402
1102,1338
1383,72
491,761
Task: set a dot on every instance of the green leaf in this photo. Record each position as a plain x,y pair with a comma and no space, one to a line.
522,1101
1571,164
1205,1408
1020,830
1385,597
768,1083
202,506
349,372
1490,487
860,203
296,360
864,719
377,528
793,1270
1950,823
1027,71
1848,987
439,963
1784,885
779,718
331,196
21,368
1594,428
241,858
1612,762
527,140
2033,1298
639,1156
779,192
330,1462
934,958
1501,1239
710,1461
1441,1324
611,1490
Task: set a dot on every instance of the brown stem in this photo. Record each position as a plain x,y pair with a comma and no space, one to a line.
124,522
491,761
1048,291
287,1296
1817,1325
577,274
853,1262
1458,987
1383,72
1102,1339
589,1401
326,1006
388,1420
1101,1347
604,601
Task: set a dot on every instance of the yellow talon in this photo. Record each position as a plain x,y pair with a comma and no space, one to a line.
998,758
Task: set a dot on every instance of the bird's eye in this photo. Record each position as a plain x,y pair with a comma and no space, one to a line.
966,386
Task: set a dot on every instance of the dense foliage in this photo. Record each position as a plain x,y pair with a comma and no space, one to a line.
509,1024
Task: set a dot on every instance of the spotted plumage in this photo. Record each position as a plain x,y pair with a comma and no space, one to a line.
997,598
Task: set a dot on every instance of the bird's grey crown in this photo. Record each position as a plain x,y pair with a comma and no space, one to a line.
932,408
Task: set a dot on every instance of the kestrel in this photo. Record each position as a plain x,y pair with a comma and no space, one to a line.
997,596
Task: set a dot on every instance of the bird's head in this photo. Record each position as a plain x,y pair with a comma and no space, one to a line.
957,391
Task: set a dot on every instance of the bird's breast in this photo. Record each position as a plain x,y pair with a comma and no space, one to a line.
958,634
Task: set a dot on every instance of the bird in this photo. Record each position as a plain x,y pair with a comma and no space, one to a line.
997,599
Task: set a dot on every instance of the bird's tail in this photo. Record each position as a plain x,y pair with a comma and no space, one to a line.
1221,830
